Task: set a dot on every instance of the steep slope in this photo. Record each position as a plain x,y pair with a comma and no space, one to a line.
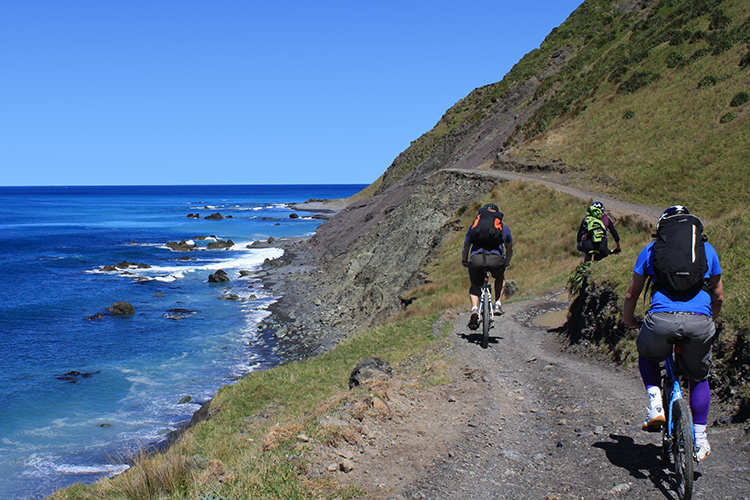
645,101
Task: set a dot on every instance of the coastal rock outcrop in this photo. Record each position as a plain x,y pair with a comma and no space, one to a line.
219,276
122,308
182,246
220,244
124,265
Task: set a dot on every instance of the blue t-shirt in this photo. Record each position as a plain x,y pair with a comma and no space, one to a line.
665,302
507,238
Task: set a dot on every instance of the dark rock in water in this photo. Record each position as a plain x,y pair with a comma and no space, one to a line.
369,369
230,296
182,246
185,400
124,265
219,276
121,307
214,216
214,245
95,317
74,376
193,216
177,314
293,216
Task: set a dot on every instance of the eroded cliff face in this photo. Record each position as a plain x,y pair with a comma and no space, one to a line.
374,251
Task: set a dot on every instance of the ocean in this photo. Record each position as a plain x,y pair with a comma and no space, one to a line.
82,389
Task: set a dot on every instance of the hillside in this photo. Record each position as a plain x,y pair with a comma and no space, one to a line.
643,101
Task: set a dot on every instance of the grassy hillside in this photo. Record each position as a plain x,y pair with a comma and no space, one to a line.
650,104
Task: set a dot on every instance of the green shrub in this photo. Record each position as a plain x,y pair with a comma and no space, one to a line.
637,80
629,114
727,118
677,60
707,81
745,61
719,20
739,99
699,53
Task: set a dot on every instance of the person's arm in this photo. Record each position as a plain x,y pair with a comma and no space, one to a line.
465,254
508,252
631,298
717,294
613,231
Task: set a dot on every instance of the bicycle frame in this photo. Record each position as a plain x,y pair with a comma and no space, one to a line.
485,309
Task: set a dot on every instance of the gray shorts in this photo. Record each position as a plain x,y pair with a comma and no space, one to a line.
659,328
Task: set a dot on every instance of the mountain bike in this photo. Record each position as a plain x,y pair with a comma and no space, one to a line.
678,434
485,310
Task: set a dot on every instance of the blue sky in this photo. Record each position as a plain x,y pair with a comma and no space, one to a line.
242,92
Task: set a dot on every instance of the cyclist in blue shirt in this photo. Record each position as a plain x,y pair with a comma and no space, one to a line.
495,259
670,317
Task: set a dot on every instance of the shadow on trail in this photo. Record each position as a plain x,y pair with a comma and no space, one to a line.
642,461
476,338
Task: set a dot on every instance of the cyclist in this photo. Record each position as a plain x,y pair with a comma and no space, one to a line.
493,254
597,217
671,317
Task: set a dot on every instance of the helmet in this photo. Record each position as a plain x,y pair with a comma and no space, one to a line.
674,210
491,206
599,205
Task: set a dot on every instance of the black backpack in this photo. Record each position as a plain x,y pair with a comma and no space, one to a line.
679,255
487,230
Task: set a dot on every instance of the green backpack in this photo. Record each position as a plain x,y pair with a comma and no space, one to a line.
594,225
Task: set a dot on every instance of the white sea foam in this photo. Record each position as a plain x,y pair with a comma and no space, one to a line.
42,465
242,259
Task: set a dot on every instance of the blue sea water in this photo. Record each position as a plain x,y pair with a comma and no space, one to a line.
78,395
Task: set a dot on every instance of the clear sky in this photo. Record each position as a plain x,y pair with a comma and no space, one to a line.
97,92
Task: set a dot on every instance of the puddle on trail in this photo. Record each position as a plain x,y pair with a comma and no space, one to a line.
552,319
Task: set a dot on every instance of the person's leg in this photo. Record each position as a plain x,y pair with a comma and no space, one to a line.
696,357
700,400
498,272
476,277
653,346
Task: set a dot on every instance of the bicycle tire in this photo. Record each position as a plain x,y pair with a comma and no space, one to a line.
683,449
486,318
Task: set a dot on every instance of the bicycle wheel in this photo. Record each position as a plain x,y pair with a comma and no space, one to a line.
683,449
486,318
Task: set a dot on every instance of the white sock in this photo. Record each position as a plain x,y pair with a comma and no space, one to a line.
475,308
700,434
654,396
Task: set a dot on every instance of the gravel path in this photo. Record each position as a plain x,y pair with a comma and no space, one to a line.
523,419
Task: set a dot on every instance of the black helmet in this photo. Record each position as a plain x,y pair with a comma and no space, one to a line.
673,210
491,206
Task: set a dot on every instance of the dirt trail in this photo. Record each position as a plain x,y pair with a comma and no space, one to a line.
557,181
524,419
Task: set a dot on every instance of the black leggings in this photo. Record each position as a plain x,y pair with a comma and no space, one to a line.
495,264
